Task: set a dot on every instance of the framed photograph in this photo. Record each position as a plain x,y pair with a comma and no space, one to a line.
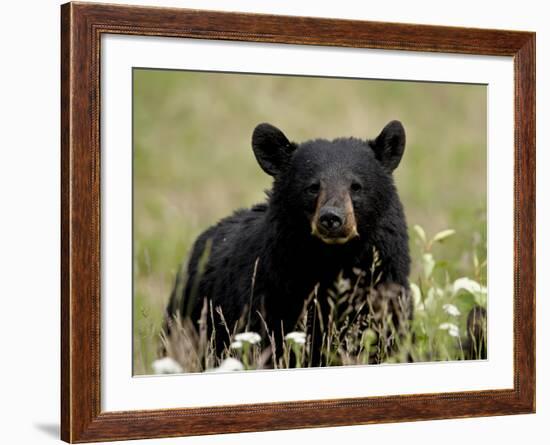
274,222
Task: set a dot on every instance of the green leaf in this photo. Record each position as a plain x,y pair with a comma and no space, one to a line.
429,301
443,235
428,264
420,232
466,285
417,298
481,298
466,299
369,338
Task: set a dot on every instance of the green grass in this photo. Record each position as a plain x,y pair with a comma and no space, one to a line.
193,164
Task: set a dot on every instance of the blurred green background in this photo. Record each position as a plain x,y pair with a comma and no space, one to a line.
193,163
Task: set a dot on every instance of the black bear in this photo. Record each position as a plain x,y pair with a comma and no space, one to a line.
332,208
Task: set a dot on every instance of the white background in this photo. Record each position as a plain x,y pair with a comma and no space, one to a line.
29,235
121,392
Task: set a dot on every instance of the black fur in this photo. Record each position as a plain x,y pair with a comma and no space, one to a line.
276,237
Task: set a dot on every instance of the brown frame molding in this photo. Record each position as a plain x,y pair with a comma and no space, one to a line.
82,25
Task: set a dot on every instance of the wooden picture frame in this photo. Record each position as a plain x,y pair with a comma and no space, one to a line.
82,25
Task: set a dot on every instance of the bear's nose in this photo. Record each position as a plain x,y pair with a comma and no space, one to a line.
331,218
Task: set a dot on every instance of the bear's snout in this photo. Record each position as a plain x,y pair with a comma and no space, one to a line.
334,219
331,218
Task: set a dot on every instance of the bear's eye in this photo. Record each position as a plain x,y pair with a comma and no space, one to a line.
356,187
313,188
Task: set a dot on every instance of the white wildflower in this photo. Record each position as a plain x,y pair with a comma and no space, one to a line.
474,288
452,329
229,364
296,337
166,365
451,309
236,345
468,285
248,337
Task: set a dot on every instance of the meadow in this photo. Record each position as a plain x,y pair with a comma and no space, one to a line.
193,164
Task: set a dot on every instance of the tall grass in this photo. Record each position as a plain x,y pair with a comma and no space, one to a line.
366,323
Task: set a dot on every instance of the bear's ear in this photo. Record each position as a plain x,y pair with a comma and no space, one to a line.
271,148
390,145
